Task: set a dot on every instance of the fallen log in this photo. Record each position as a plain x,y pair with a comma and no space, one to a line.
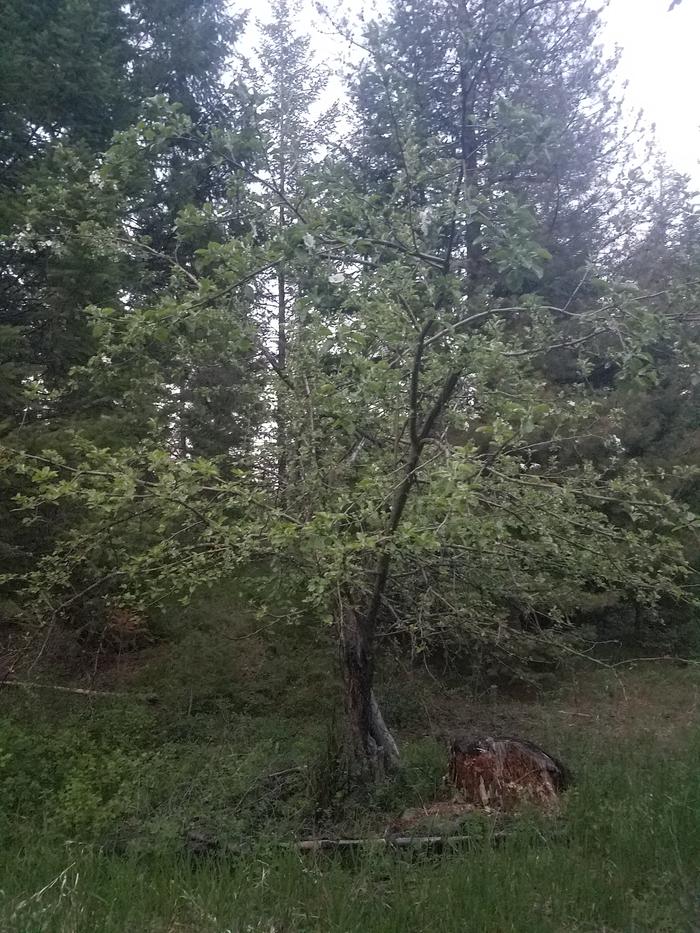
198,843
82,691
436,843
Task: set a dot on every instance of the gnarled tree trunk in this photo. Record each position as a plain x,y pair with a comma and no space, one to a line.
371,749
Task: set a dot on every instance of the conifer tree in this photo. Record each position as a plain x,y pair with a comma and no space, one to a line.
522,94
291,139
73,73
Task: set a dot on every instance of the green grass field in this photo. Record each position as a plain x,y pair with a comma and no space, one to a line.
624,856
96,796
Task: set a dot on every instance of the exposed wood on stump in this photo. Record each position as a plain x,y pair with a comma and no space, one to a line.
501,773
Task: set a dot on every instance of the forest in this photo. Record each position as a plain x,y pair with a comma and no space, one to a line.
349,404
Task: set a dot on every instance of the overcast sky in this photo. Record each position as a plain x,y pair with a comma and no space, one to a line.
660,61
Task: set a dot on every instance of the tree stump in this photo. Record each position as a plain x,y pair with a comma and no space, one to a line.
500,773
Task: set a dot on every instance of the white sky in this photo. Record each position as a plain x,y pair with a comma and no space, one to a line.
660,62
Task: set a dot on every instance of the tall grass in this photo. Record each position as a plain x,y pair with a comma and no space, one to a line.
623,856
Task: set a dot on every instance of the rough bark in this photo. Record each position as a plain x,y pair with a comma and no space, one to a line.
282,363
371,749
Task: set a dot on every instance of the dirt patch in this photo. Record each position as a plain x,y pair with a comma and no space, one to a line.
441,817
650,700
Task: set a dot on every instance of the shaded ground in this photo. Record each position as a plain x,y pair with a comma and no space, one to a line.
655,699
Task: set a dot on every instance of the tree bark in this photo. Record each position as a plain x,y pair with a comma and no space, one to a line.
282,363
282,283
371,750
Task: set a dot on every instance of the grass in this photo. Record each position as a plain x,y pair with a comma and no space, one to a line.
624,856
96,795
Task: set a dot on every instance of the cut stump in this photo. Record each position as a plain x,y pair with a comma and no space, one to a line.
499,773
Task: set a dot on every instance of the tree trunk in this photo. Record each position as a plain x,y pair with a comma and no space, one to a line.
371,749
281,362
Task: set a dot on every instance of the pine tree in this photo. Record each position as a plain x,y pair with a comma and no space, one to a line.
73,73
289,85
521,94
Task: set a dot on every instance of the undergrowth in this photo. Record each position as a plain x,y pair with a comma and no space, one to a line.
99,797
623,857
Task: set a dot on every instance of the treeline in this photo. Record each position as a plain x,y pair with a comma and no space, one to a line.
420,365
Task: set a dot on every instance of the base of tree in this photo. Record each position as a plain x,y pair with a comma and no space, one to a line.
370,749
